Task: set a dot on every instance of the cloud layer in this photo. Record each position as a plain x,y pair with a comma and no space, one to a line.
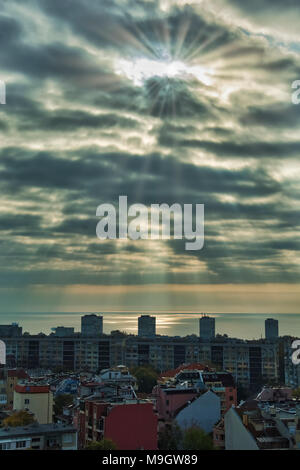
77,132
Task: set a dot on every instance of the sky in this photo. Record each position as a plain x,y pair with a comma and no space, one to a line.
165,102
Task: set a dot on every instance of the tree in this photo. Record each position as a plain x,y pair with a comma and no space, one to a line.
195,438
170,437
104,444
19,418
146,377
60,401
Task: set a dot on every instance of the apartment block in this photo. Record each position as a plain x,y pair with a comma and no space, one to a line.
252,363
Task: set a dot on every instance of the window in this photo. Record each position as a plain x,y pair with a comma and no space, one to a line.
67,438
26,401
5,446
20,444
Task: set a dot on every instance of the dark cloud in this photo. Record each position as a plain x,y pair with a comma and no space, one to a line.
234,149
78,132
276,115
10,30
121,173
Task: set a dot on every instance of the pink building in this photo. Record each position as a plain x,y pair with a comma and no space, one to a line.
187,384
170,400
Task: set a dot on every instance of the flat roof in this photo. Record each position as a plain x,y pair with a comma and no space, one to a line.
35,430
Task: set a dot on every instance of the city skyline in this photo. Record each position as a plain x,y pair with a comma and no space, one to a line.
245,326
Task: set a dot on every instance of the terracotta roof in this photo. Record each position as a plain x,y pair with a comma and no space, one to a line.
32,388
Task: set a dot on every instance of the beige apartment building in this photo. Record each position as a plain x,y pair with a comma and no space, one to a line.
35,398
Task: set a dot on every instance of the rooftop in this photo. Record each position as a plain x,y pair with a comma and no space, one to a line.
36,429
32,388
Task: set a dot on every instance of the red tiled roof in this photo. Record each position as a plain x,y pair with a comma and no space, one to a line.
32,388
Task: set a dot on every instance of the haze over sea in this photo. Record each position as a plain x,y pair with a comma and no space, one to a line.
238,325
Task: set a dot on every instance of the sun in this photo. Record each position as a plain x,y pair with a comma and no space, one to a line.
141,69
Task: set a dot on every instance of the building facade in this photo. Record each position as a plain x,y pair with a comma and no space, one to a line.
7,331
63,331
271,328
146,326
91,325
130,424
207,327
172,393
38,399
252,363
39,437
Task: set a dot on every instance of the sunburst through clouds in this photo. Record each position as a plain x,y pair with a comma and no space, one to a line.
162,101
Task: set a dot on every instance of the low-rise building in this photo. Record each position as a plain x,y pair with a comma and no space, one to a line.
130,424
39,437
35,398
117,375
174,391
256,425
204,411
